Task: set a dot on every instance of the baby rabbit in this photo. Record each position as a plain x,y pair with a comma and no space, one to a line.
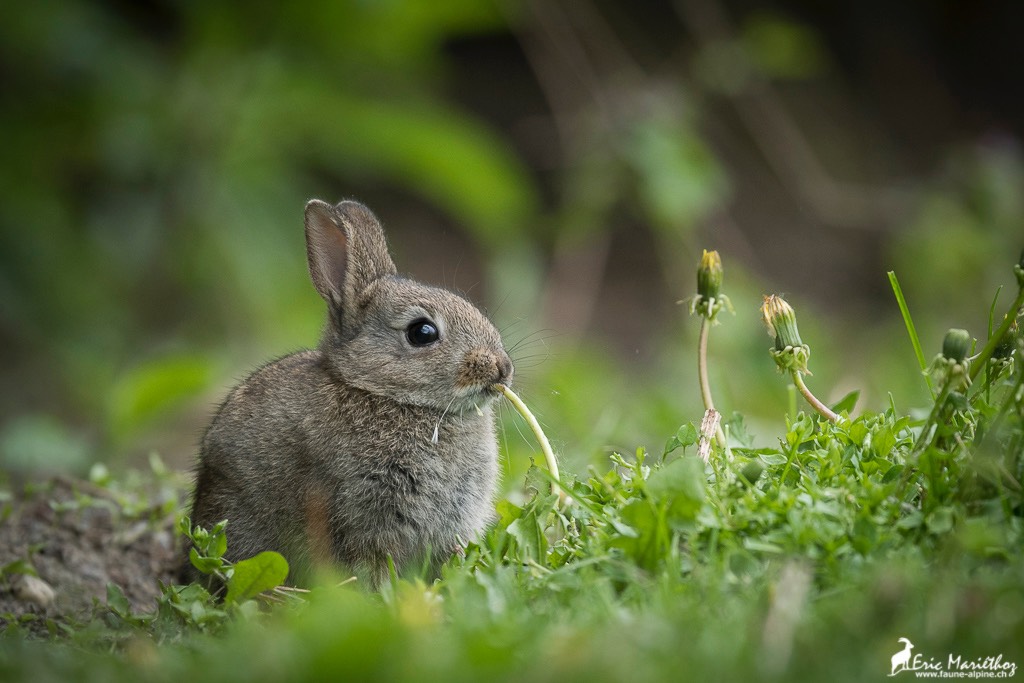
378,443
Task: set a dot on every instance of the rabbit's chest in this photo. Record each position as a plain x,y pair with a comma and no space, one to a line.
419,495
434,494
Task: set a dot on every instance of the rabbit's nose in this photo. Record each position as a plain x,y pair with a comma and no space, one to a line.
504,367
483,367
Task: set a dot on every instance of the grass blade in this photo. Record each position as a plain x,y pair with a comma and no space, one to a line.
911,330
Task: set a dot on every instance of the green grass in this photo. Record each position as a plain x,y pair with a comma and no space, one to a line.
803,559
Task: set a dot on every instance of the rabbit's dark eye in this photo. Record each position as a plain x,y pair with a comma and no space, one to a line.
422,333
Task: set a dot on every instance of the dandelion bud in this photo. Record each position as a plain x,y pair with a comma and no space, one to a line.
1018,270
951,366
790,352
956,345
709,275
780,318
709,300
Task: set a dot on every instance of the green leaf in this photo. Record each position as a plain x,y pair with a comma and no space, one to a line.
847,403
154,388
117,601
940,521
646,545
773,458
255,575
218,546
761,546
211,543
19,566
751,472
535,479
865,534
684,476
197,611
687,435
207,565
680,485
882,441
507,512
893,474
529,536
911,521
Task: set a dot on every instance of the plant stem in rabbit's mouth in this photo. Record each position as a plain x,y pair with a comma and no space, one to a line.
545,445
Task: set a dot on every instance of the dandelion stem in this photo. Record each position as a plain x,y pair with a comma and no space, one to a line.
702,365
702,376
822,409
542,439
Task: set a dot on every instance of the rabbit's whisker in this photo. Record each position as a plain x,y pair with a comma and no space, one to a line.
437,425
535,337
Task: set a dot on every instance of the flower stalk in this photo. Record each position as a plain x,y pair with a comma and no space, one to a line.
702,366
950,371
708,302
542,439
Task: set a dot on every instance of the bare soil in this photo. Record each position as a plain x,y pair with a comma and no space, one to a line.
78,540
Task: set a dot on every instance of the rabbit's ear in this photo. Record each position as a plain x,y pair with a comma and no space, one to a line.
346,249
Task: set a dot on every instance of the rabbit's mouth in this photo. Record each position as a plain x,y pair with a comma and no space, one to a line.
477,396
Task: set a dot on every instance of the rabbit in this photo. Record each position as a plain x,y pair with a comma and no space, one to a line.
378,444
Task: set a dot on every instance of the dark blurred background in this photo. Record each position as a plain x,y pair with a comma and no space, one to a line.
563,163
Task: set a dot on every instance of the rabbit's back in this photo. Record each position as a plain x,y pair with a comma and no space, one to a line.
305,464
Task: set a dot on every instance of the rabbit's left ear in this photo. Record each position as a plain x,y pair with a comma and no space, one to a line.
346,250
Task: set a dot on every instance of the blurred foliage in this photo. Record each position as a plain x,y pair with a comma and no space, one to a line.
965,225
783,48
34,443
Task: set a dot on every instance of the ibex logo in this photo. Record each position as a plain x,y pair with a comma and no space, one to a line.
953,666
901,660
